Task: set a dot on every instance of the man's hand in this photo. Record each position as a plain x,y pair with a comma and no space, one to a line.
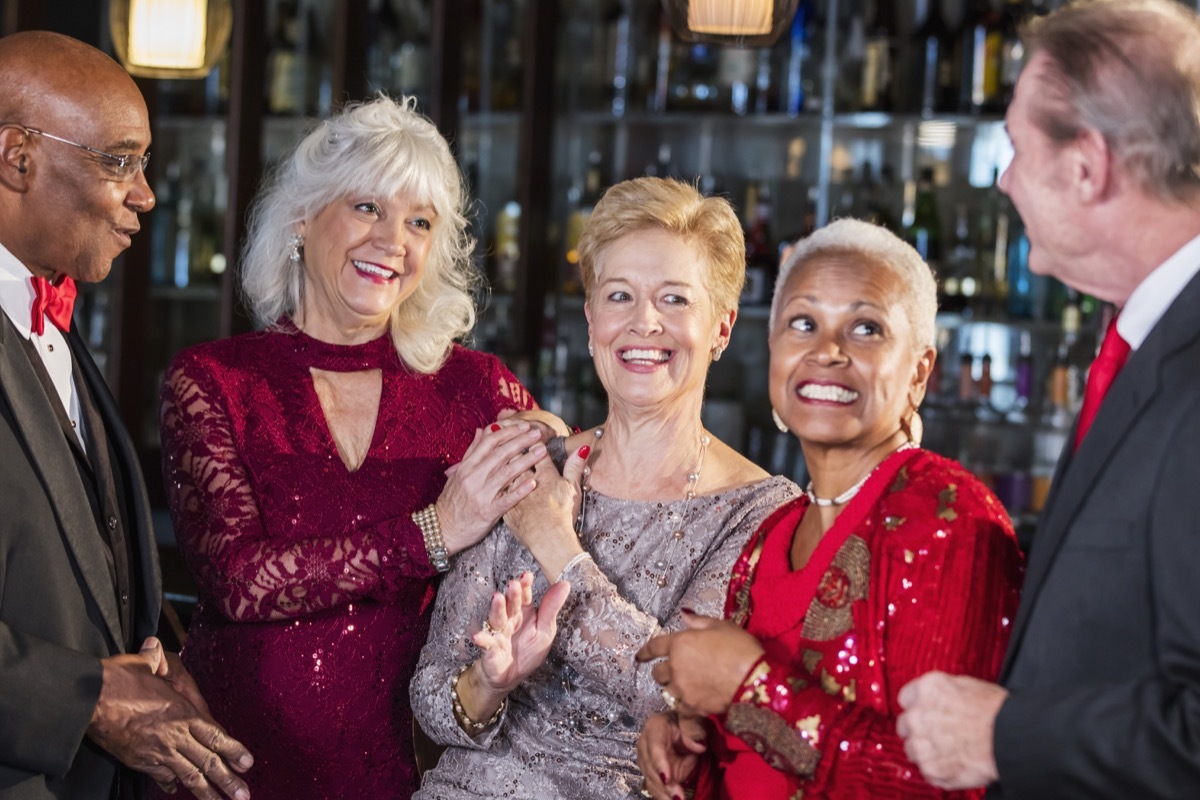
703,666
151,717
947,727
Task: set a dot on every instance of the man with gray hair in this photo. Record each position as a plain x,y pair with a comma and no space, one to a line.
1100,691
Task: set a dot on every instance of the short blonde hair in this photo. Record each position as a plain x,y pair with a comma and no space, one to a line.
708,223
385,146
878,248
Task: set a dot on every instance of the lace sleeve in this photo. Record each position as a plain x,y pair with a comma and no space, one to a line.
462,605
601,629
228,549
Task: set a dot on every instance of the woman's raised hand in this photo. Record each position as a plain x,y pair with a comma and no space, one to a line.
488,482
517,635
668,751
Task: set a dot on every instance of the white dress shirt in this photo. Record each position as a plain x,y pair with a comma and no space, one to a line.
16,300
1154,295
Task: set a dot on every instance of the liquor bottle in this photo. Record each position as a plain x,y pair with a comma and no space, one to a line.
761,253
317,64
507,247
1053,430
851,57
737,75
693,83
958,284
979,57
285,68
925,232
582,204
798,79
934,64
1012,51
880,58
1023,374
410,62
506,70
385,40
1020,300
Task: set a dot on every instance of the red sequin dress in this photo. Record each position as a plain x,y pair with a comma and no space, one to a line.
315,585
920,572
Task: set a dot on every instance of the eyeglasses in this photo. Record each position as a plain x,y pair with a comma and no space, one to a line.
123,167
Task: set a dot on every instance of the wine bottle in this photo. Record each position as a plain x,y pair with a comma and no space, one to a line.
879,58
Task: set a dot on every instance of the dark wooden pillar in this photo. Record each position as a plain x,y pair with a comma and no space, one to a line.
534,180
244,146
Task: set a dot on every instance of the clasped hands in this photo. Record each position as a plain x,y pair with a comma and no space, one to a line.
151,717
700,668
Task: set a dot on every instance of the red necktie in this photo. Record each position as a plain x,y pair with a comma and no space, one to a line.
55,302
1114,352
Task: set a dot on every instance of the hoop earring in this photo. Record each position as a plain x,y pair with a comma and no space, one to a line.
912,427
779,423
296,248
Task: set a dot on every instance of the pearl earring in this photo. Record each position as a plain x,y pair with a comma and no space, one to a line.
779,423
296,243
716,353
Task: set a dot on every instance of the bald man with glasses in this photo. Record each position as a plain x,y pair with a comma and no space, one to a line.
89,702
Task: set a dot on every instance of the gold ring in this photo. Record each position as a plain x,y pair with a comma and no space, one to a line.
487,627
671,699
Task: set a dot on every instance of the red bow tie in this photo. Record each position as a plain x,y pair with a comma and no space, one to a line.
55,302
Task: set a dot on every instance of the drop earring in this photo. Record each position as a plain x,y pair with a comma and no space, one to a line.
296,245
591,350
779,423
716,353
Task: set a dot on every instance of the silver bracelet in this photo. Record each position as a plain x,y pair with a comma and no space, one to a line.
574,560
427,520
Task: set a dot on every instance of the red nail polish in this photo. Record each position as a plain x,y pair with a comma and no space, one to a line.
662,776
585,451
687,610
495,427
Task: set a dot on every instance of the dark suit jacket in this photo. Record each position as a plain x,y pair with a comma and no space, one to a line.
58,606
1104,662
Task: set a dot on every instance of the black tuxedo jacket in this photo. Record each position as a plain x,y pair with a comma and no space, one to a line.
58,604
1104,662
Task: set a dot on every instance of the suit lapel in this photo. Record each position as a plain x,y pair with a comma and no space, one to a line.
54,462
1129,397
140,525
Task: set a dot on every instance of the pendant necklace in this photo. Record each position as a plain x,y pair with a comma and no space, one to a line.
676,520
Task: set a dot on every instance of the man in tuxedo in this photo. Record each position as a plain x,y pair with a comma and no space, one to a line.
83,710
1099,695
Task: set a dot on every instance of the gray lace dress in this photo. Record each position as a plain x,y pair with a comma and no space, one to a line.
571,729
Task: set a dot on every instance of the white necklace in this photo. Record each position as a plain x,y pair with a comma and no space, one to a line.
677,521
848,495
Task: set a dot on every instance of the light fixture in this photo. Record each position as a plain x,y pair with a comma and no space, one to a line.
740,23
170,38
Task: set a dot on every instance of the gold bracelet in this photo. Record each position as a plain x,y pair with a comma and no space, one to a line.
460,714
427,520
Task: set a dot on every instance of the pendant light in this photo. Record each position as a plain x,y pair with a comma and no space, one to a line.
740,23
170,38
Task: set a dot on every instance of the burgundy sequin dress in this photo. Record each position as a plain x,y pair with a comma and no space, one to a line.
315,585
919,572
